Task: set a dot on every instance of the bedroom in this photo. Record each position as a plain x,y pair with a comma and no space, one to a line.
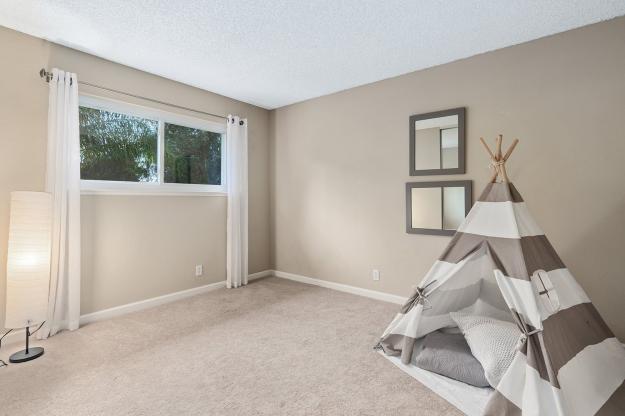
326,93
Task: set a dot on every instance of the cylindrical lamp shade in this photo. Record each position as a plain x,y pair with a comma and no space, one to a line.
28,260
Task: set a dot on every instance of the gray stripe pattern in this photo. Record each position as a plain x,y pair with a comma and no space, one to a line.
615,406
518,258
499,192
560,346
570,331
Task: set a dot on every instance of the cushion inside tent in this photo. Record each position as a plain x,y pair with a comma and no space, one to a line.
473,290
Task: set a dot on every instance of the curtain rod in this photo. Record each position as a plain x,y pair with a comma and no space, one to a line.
48,76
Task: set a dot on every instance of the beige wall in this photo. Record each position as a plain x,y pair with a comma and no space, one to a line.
340,163
139,247
133,247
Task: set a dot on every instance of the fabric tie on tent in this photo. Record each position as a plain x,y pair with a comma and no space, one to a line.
418,298
524,336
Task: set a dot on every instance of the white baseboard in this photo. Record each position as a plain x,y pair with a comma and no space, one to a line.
18,335
373,294
258,275
148,303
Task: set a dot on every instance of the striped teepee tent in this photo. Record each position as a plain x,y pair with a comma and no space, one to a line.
568,362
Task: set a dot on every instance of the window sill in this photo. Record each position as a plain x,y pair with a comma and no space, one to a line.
149,189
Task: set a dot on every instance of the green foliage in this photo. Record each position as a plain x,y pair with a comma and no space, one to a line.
192,155
119,147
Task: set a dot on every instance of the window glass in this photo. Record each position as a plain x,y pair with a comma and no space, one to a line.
192,155
128,148
117,147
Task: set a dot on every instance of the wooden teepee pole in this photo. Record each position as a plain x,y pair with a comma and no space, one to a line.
497,159
510,149
499,141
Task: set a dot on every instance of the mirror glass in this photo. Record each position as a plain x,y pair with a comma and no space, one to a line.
426,208
453,207
437,207
437,143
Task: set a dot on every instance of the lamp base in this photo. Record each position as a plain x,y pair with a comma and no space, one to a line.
23,356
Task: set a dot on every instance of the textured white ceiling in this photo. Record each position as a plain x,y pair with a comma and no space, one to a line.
276,52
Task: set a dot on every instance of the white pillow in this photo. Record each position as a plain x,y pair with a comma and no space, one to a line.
492,342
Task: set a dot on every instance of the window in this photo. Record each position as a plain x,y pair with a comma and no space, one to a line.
192,155
117,147
132,149
546,291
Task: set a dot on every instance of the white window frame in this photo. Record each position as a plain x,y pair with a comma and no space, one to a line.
102,187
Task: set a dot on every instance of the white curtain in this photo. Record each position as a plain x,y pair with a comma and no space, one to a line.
236,179
63,182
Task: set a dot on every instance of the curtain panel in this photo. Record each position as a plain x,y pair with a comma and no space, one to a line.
63,182
237,226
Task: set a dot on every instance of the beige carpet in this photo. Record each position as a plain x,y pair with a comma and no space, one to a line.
275,347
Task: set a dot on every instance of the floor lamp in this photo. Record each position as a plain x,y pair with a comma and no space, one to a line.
28,266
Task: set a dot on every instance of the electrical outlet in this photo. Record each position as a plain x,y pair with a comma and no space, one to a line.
199,270
376,274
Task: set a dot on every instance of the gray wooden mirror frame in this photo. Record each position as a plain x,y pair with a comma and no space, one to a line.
461,113
468,203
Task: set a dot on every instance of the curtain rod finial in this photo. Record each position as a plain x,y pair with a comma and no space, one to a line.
45,74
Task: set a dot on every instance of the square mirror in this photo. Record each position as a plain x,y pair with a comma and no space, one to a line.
437,208
437,143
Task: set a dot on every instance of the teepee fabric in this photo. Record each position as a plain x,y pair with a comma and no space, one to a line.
500,264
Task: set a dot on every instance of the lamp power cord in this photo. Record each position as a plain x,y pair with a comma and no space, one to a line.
2,362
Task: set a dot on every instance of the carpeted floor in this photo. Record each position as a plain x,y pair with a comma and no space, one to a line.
275,347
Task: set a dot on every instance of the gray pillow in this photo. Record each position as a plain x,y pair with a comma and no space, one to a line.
449,355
